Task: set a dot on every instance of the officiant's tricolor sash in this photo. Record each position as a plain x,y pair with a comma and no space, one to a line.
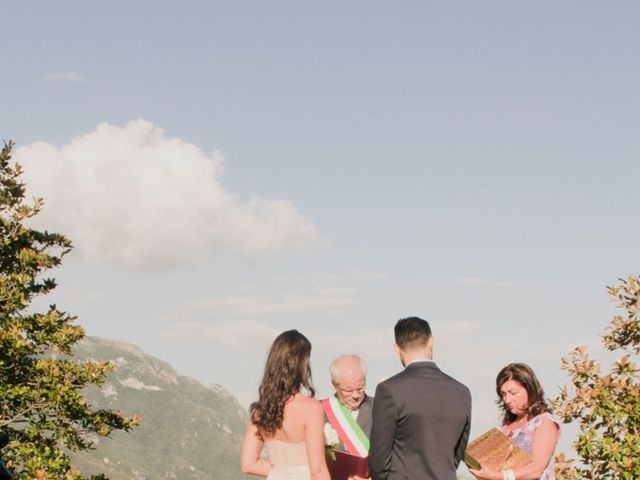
350,433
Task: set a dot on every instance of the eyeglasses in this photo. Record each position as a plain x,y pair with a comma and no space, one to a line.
347,392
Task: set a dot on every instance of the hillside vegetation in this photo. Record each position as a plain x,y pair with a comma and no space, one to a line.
189,431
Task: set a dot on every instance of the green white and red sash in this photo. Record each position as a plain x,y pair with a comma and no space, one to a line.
350,433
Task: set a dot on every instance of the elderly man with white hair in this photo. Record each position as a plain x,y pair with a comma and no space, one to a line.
349,410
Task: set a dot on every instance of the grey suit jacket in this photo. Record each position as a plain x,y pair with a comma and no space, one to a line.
365,418
421,422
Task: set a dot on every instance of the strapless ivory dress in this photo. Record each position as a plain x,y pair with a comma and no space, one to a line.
289,460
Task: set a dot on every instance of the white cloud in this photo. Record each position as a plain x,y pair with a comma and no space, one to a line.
77,296
148,202
236,335
247,305
374,343
248,319
329,293
482,282
348,277
71,77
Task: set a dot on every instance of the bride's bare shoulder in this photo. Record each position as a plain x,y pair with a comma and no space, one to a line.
300,401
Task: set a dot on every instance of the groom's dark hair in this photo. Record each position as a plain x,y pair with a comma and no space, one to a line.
412,332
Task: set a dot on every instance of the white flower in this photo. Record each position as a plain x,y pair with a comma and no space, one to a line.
331,438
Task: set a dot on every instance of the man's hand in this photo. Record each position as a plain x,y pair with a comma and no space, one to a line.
355,477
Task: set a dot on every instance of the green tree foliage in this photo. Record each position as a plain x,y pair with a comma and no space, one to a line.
606,406
41,401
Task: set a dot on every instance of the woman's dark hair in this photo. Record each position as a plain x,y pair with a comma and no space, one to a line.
521,373
286,371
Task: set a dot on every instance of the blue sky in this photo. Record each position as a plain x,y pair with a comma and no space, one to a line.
333,168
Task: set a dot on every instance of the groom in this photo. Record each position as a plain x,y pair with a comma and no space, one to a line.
421,417
349,411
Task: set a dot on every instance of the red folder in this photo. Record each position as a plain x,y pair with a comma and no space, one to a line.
346,465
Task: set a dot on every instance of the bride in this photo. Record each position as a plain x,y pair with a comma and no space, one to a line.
284,420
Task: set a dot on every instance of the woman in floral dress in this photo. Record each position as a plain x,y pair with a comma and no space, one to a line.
527,420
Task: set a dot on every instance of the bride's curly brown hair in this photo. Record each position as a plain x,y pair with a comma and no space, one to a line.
287,370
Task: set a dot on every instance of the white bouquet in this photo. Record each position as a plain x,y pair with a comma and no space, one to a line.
331,440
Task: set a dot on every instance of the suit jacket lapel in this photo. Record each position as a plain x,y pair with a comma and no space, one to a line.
364,416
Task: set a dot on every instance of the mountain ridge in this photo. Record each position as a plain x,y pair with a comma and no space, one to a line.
189,431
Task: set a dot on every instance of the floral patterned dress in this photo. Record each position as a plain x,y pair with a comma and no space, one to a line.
523,437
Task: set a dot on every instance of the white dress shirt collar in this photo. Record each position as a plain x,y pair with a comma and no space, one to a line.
416,360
